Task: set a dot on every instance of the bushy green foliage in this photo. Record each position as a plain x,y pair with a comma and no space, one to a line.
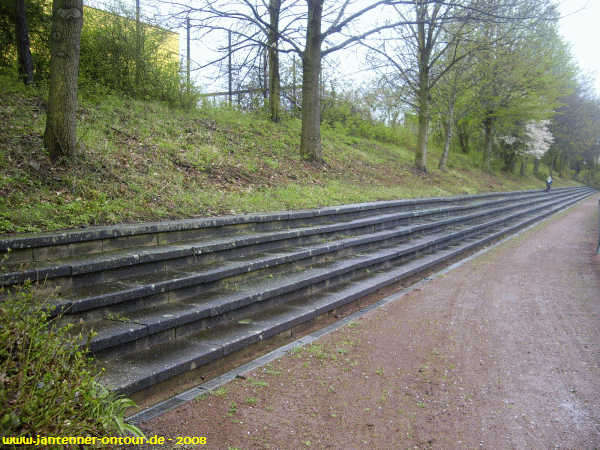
47,382
343,114
109,55
115,55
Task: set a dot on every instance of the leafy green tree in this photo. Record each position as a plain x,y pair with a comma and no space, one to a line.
576,130
36,15
110,47
521,80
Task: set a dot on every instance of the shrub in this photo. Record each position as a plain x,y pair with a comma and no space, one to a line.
48,384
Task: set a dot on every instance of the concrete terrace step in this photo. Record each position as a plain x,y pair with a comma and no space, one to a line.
32,247
151,257
176,315
162,298
114,292
141,369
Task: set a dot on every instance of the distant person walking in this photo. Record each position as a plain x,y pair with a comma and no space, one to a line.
548,183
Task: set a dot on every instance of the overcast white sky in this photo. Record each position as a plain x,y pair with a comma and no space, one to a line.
580,26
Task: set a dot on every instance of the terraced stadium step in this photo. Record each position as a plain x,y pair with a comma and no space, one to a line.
191,291
200,348
148,260
78,300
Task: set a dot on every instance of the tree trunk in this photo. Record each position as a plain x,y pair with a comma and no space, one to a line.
22,39
423,138
522,171
463,139
488,127
536,165
310,140
274,80
60,137
423,92
448,138
561,165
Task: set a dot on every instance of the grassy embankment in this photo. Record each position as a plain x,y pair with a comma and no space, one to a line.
145,161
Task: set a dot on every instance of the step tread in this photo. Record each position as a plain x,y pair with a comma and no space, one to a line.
142,369
168,315
31,240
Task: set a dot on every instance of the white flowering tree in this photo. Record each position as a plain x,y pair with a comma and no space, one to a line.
533,139
539,138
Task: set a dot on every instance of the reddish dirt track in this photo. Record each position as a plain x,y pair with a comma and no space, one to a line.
501,352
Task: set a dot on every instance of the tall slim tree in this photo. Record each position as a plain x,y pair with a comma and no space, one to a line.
273,52
310,138
22,39
60,137
318,44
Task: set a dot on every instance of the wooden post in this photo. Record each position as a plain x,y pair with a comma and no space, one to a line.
294,83
264,78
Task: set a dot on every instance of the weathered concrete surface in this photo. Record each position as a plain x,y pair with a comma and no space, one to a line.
502,352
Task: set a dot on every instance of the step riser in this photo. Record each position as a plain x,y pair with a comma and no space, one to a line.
312,290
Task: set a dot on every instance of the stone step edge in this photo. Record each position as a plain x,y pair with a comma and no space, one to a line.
214,352
35,240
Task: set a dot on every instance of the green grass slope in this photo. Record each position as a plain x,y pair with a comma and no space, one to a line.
145,161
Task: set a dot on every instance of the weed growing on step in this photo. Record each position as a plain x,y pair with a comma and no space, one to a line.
48,383
220,392
258,383
251,401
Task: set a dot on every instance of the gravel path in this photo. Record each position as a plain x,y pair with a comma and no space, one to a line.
501,352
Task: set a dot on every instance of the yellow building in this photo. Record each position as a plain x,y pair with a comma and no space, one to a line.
169,40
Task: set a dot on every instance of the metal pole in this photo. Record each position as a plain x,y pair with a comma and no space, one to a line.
188,54
138,44
294,84
229,69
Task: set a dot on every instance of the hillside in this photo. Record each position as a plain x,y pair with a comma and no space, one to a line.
146,161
